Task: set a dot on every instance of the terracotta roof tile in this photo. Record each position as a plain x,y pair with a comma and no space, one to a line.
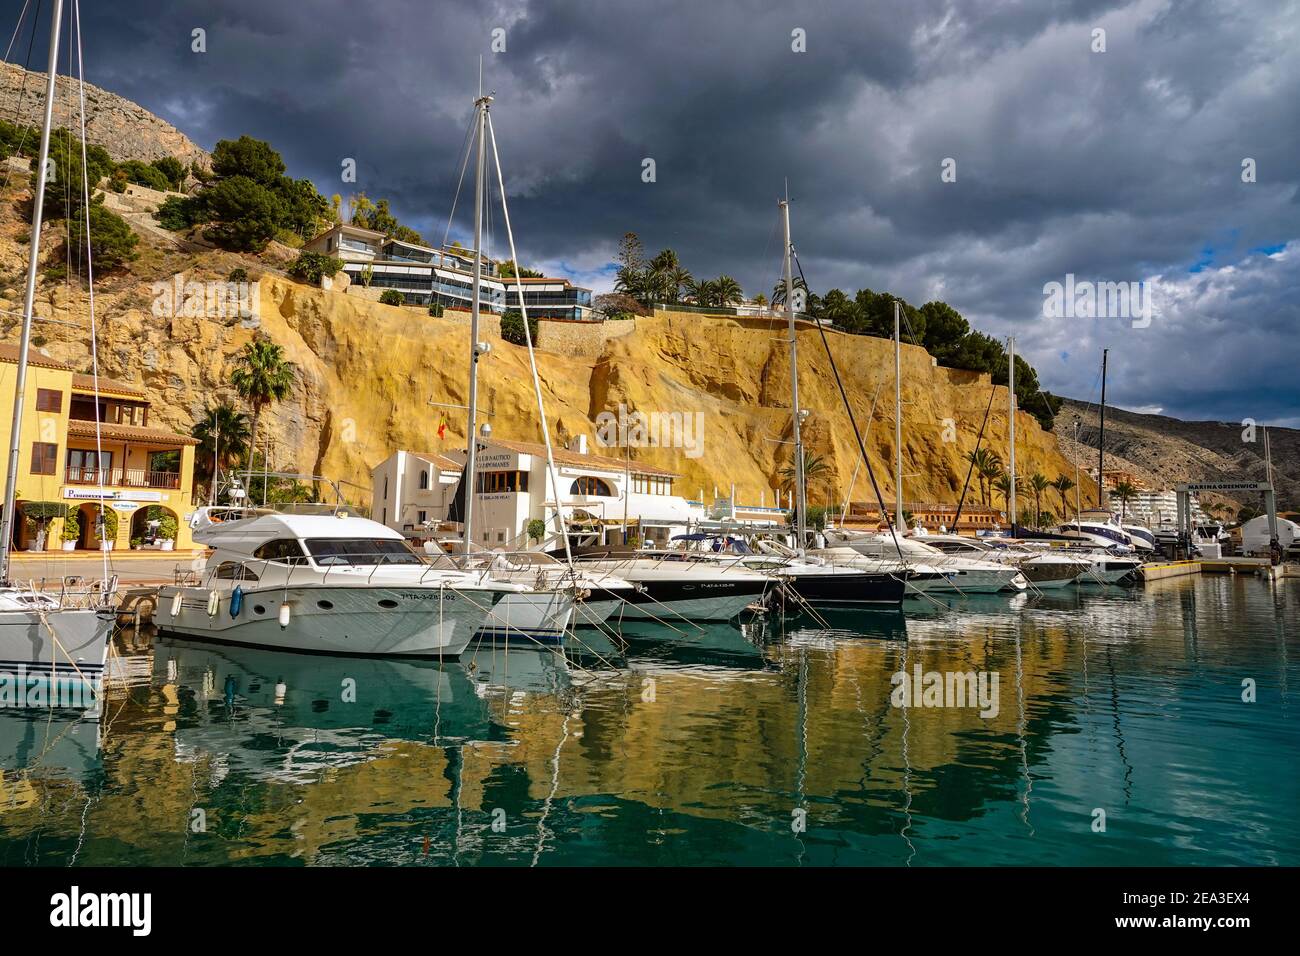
87,383
83,429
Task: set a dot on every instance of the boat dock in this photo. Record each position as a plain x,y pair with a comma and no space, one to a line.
1233,565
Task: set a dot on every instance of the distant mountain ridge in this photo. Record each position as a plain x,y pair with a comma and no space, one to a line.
125,129
1164,451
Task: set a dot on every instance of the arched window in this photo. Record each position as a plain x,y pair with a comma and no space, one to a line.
424,480
589,485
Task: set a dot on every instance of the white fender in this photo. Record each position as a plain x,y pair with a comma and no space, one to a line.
214,602
284,615
176,605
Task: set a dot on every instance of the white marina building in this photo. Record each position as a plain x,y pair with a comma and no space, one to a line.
601,497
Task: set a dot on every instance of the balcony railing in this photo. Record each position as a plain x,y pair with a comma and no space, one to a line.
123,477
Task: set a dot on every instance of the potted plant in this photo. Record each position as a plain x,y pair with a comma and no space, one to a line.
536,529
167,532
137,543
71,529
108,536
38,515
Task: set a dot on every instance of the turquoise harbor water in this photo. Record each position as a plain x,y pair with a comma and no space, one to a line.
707,748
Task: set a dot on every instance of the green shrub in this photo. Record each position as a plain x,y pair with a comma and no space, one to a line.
238,274
310,266
512,328
173,170
112,242
436,310
178,213
391,297
72,525
167,528
143,174
246,214
247,158
536,529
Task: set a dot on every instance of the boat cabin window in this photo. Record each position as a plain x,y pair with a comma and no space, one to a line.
284,550
360,551
234,571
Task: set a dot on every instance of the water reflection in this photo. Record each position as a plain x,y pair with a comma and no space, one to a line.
704,746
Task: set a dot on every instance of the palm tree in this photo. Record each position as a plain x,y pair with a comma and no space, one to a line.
1123,492
1038,483
814,469
1002,483
728,290
681,280
262,375
703,291
778,290
987,466
1064,486
222,429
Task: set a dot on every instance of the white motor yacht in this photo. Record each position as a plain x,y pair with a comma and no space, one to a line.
330,583
1043,569
673,584
1095,527
593,595
930,569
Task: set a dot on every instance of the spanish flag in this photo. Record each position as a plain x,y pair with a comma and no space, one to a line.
442,427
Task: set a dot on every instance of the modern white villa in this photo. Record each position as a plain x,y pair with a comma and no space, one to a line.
601,497
425,276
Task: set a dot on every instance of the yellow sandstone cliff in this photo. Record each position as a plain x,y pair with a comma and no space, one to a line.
373,378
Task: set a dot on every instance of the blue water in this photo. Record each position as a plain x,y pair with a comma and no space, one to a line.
769,744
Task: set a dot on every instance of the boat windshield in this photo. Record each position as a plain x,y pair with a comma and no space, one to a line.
360,551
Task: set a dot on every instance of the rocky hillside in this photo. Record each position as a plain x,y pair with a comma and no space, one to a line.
1164,451
372,377
126,130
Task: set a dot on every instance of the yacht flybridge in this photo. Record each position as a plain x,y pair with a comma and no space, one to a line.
332,583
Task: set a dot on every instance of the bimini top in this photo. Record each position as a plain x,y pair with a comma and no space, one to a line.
243,535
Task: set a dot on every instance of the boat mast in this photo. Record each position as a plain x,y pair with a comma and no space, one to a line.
1011,428
1101,436
471,430
24,346
899,523
801,491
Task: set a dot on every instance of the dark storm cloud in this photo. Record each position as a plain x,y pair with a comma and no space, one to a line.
1116,166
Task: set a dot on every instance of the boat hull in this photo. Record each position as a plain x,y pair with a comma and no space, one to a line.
829,591
74,663
665,600
372,621
529,616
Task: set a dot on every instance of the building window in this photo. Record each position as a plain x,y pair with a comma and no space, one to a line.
422,516
49,400
424,480
495,482
652,485
45,458
590,485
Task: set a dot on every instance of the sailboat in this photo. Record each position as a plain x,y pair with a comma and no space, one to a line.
814,580
65,637
930,569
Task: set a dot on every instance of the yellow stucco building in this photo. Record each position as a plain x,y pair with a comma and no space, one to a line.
147,473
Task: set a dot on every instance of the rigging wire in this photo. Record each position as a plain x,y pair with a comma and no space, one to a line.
857,434
22,86
90,278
